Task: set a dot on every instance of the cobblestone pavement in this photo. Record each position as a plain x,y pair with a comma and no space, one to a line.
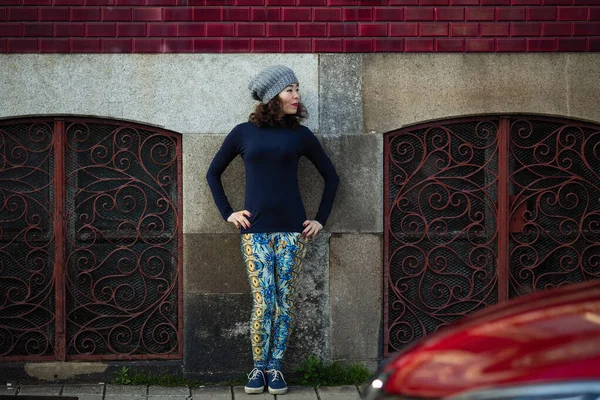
143,392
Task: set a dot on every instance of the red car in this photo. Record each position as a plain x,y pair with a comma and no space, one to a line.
538,347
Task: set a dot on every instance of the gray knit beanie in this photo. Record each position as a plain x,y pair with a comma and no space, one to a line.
270,81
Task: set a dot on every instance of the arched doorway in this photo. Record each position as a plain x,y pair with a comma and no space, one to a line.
90,240
480,210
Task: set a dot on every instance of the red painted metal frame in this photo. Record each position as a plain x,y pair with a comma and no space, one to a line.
577,142
59,272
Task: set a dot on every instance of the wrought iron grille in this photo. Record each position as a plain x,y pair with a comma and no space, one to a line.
117,247
481,210
27,305
440,226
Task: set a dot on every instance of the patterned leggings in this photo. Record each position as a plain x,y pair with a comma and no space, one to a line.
273,261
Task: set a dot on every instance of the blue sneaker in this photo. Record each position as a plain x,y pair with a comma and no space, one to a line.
276,382
256,382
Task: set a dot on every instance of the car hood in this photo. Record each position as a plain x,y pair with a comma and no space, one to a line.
552,335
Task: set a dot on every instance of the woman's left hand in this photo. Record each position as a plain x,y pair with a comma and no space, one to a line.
311,228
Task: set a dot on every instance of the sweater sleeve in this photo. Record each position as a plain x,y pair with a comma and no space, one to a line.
314,152
228,151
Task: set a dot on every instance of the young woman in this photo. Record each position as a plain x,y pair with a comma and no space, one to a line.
273,222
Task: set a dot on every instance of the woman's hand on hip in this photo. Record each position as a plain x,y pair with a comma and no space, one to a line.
311,228
238,218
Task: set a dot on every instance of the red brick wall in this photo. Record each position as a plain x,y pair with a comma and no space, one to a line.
294,26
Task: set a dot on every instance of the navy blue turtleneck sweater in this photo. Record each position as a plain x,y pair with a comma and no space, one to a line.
271,157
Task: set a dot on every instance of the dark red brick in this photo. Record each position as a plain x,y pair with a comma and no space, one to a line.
250,2
28,3
3,46
480,14
22,14
315,3
148,45
571,44
279,3
280,30
343,3
494,3
147,14
69,29
266,14
179,14
167,3
586,2
219,3
450,14
236,45
220,30
557,2
388,45
54,45
490,29
365,29
134,29
434,2
358,14
191,29
526,29
236,14
404,29
22,45
343,30
388,14
586,29
464,29
55,14
208,45
510,45
479,45
115,45
403,2
312,29
11,2
3,14
296,14
556,29
594,44
85,14
541,45
418,14
541,13
511,13
594,13
450,45
129,3
327,45
10,29
100,30
116,14
434,29
464,2
527,3
266,45
103,3
297,45
251,30
327,14
35,29
208,14
85,45
162,30
418,45
358,45
179,45
572,13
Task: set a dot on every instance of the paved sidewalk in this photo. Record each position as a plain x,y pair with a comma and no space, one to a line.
143,392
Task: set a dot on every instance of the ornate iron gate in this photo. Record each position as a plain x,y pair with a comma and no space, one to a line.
90,240
483,209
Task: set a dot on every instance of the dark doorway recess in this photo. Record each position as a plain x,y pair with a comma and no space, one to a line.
90,240
481,210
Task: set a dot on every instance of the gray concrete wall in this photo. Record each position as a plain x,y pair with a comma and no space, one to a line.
352,99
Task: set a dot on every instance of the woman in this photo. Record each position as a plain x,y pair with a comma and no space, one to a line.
273,223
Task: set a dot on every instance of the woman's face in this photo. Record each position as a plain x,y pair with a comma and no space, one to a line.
290,97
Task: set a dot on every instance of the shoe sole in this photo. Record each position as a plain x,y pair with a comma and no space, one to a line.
278,391
250,390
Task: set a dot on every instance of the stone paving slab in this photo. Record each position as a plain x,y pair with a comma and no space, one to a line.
126,390
38,390
93,397
300,393
83,390
5,391
169,391
212,393
239,394
338,393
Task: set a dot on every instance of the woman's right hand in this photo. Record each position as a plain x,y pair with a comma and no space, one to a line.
238,218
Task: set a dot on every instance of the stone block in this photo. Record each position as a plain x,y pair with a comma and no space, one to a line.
83,390
40,390
356,315
239,394
583,95
186,93
181,391
126,390
403,89
340,94
338,393
212,393
212,263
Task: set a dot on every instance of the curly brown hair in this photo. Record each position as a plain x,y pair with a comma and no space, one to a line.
267,115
